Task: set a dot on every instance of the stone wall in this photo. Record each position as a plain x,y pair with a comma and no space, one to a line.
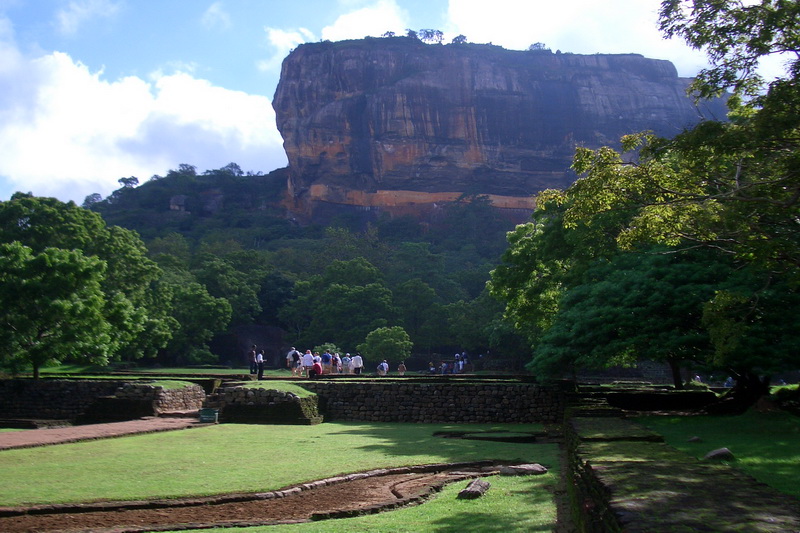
469,402
51,399
70,399
247,405
371,401
187,398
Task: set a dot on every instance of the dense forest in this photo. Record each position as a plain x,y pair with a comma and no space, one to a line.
222,236
682,250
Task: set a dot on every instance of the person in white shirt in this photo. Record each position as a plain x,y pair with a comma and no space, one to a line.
260,364
308,362
383,368
357,363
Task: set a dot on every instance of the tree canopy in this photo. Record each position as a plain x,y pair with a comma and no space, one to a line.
583,279
51,308
133,305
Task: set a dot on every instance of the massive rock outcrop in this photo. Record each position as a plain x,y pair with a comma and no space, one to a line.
394,122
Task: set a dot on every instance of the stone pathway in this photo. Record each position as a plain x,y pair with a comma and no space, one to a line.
631,481
43,437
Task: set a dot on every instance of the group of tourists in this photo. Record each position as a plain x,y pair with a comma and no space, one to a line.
315,364
458,365
311,365
308,364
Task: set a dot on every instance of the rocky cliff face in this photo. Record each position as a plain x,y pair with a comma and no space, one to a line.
394,122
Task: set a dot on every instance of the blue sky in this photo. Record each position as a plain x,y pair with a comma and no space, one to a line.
95,90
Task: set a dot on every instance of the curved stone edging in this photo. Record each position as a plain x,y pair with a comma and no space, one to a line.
237,497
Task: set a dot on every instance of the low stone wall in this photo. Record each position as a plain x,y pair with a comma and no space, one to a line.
468,402
70,399
187,398
375,401
51,399
247,405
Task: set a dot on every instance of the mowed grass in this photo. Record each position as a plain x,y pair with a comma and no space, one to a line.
241,458
511,504
766,445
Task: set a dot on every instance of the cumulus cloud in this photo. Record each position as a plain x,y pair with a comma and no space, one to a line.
70,18
371,20
65,131
216,17
578,26
282,42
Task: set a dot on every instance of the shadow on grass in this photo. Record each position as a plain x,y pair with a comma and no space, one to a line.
401,440
487,522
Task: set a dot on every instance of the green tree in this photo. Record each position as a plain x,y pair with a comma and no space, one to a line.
392,344
735,36
634,306
341,305
129,183
200,316
731,185
356,271
223,280
52,308
173,244
133,303
414,300
754,324
345,314
542,261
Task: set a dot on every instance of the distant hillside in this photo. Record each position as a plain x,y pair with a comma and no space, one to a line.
193,204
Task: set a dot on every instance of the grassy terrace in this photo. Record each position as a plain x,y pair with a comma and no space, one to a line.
766,445
251,458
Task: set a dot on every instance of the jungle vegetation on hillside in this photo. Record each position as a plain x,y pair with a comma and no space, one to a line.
683,250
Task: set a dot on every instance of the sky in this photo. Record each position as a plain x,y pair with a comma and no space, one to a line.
92,91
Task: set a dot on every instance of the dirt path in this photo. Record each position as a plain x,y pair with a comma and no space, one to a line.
335,497
43,437
350,495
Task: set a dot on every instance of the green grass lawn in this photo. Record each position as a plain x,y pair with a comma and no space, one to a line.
766,445
511,504
241,458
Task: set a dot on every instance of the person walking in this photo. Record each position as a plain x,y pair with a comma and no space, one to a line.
401,368
383,368
252,356
357,363
308,362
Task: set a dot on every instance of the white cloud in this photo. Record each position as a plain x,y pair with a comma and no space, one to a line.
578,26
69,19
67,132
282,42
216,17
372,20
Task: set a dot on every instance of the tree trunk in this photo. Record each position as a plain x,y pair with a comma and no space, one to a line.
675,368
748,389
